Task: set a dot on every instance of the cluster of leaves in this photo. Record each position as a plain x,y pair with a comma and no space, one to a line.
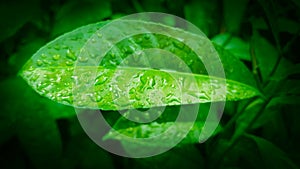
256,40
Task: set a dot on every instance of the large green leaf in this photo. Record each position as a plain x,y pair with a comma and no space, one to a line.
273,156
51,71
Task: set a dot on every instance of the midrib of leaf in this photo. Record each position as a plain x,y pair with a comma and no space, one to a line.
92,88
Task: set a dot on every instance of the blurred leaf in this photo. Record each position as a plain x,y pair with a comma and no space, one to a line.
33,122
266,55
12,157
259,23
150,5
284,100
290,87
81,152
271,14
187,156
78,13
35,127
8,114
245,120
10,12
203,14
233,14
18,59
234,45
272,156
39,136
267,115
296,2
286,69
244,154
288,25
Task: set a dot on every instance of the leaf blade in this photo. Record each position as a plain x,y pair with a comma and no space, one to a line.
52,72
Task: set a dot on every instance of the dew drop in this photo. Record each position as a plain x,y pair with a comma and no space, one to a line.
71,55
83,59
172,49
139,40
178,44
112,55
47,62
147,36
57,47
56,57
34,77
39,62
99,35
43,55
190,62
100,80
66,99
93,40
69,63
96,97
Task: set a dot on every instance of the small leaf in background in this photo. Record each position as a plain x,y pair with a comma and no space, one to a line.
233,14
78,13
290,88
40,137
234,45
296,2
266,55
203,14
12,156
18,59
150,5
10,12
259,23
288,25
82,152
244,154
272,156
271,11
286,69
245,119
163,131
34,126
154,129
193,159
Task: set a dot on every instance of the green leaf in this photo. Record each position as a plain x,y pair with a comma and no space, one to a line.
266,55
78,13
187,156
273,156
245,120
234,45
288,25
234,68
233,14
272,15
10,12
125,130
203,14
51,72
35,126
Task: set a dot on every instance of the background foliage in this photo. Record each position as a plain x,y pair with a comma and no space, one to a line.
256,133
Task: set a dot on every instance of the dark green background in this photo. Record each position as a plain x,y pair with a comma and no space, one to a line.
37,133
